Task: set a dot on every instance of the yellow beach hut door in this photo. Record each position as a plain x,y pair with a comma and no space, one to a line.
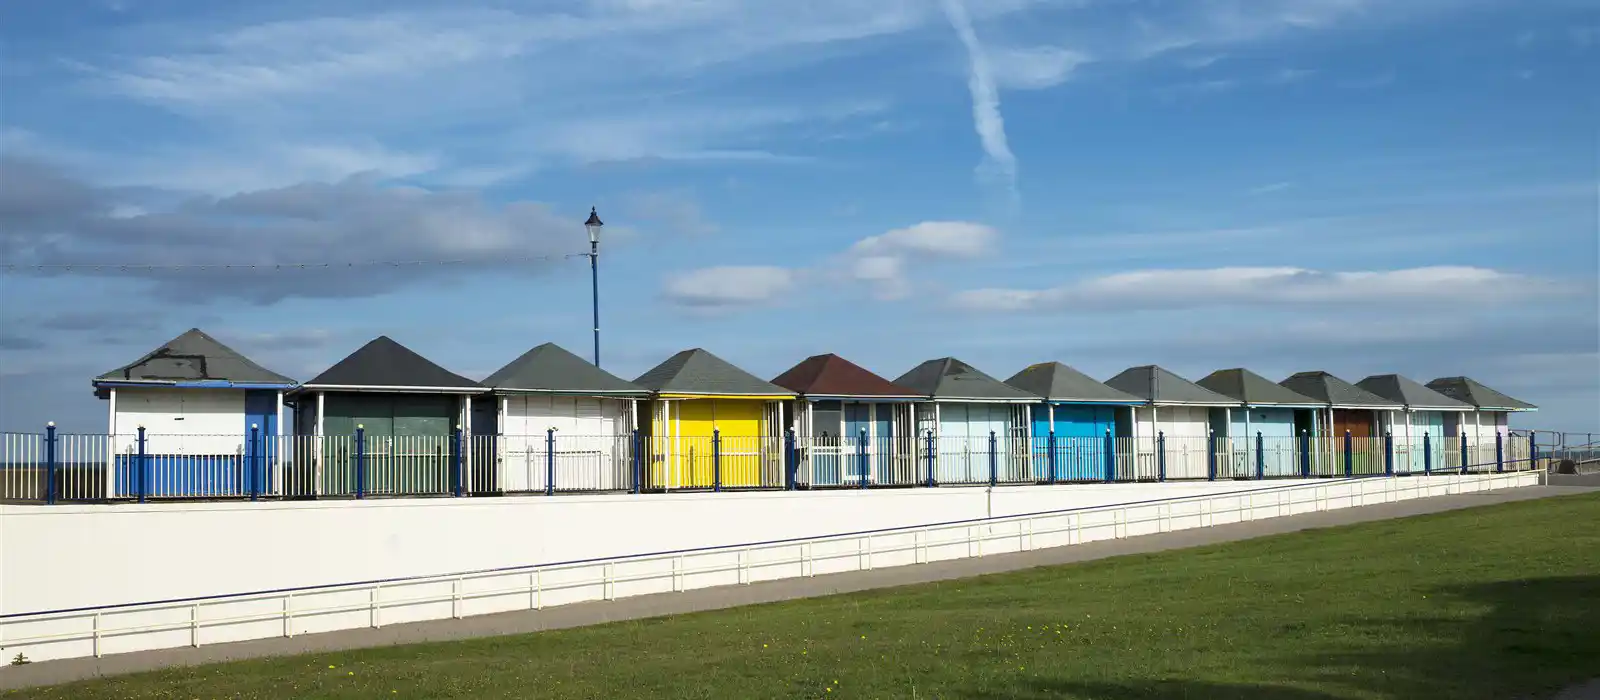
738,423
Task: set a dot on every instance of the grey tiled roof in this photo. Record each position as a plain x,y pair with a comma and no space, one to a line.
1161,386
700,372
950,379
191,357
550,367
1254,389
385,364
1409,392
1057,382
1336,392
1469,390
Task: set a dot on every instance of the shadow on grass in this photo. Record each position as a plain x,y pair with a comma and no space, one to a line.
1537,636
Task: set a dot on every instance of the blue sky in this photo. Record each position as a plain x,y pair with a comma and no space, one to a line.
1351,185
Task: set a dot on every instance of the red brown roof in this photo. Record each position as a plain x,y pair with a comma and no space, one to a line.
831,375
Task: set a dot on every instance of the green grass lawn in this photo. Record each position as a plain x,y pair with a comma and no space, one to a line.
1494,602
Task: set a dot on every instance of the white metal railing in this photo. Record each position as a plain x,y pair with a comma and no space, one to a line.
94,632
67,467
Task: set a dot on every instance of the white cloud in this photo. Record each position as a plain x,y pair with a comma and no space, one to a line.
730,286
1035,67
999,162
1265,286
957,239
880,260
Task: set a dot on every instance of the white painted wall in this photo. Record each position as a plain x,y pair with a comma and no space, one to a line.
592,442
1186,430
180,421
449,543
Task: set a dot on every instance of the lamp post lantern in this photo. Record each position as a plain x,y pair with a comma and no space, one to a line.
593,225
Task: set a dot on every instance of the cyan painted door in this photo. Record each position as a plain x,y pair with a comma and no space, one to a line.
261,410
1277,445
1080,432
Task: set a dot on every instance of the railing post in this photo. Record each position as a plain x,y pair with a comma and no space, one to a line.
861,455
791,460
1211,455
250,464
550,462
458,479
1499,452
932,457
1305,455
1533,451
994,459
1466,463
1051,459
50,463
1427,453
1388,453
361,462
638,461
1349,456
716,460
141,464
1111,457
1261,456
1161,455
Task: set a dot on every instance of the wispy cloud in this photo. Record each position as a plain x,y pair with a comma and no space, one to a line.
1000,165
1270,188
1265,286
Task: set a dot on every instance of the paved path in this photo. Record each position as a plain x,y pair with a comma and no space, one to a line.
581,614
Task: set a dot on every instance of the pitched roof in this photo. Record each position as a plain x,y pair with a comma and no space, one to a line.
1254,389
385,364
1414,395
552,368
1057,382
1469,390
1159,385
191,357
831,375
700,372
1334,391
950,379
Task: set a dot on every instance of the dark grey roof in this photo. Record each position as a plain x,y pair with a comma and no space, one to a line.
385,364
1334,391
1161,386
1057,382
700,372
949,379
194,356
1469,390
551,368
1409,392
1254,389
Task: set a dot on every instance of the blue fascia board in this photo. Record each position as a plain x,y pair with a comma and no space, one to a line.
201,384
1069,402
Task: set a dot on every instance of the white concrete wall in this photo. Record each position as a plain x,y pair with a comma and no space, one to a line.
130,554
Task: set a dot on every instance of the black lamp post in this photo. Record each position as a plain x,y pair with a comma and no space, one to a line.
593,225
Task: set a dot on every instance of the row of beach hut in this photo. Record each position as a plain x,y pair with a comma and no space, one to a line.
703,421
